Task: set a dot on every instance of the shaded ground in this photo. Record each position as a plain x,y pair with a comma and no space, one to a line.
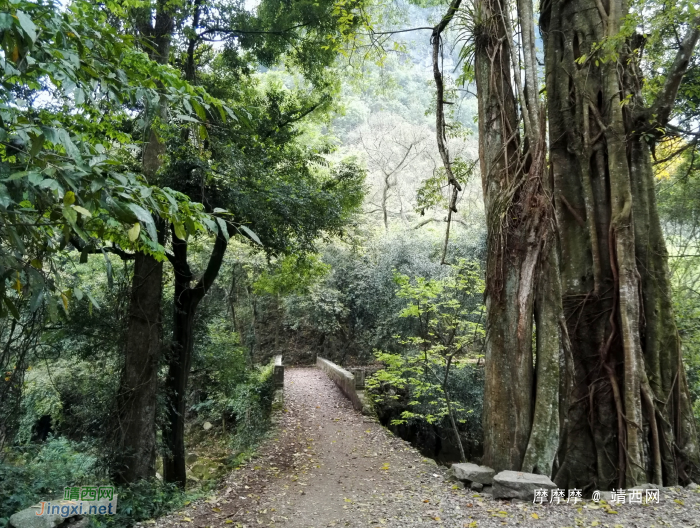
328,465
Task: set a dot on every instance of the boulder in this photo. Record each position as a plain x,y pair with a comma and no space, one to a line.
517,485
477,486
692,486
29,519
646,486
605,495
473,473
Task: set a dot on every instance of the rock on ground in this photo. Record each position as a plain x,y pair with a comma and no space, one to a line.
518,485
328,466
473,473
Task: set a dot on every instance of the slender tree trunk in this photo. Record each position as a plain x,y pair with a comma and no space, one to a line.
186,300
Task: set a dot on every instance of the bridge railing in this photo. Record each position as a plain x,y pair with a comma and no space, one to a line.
343,379
278,372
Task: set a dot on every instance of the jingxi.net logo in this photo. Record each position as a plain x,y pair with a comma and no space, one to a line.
84,500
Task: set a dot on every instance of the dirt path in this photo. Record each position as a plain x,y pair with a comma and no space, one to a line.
330,466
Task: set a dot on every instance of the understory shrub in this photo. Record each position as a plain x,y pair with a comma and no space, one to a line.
36,472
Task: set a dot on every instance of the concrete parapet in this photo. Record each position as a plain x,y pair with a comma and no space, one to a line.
359,374
343,379
278,373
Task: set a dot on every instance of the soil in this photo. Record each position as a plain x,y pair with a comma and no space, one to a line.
327,465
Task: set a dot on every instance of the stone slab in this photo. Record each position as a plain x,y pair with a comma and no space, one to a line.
473,473
518,485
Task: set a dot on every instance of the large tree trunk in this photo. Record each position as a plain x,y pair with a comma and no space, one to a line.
629,420
137,391
138,387
521,409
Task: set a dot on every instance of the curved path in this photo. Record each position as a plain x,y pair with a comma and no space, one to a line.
327,465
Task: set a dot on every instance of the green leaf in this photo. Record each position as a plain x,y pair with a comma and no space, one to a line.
37,297
223,229
92,300
147,219
183,117
37,144
81,210
27,25
251,234
13,309
199,109
70,215
179,231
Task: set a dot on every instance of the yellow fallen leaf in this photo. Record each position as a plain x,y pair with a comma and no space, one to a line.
679,502
535,516
228,521
595,523
187,519
612,512
217,510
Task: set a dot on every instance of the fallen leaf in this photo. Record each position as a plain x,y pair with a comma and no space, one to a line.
535,516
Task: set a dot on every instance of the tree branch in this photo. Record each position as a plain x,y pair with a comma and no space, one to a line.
213,267
298,117
394,32
82,247
664,104
436,40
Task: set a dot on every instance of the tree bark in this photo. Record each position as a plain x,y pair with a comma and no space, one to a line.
629,420
186,300
138,387
520,236
136,398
